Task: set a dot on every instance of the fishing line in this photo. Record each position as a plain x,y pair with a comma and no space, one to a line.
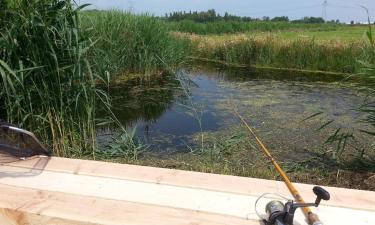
275,184
263,196
278,211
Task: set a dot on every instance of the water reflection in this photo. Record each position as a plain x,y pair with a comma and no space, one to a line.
144,100
166,112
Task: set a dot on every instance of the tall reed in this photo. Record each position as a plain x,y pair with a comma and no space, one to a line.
368,69
269,50
47,82
132,43
230,27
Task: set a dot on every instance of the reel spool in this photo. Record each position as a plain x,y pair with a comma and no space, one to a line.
279,213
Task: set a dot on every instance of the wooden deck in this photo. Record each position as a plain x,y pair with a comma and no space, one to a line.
60,191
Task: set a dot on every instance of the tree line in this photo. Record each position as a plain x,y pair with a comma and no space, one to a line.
212,16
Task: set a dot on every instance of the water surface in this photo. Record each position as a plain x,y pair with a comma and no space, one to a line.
168,113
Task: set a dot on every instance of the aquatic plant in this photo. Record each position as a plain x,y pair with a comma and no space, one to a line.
132,43
123,146
368,68
271,51
230,27
47,82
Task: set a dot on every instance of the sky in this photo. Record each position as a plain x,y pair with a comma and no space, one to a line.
344,10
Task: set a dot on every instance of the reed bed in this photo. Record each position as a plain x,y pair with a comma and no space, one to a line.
47,84
128,43
55,60
232,27
272,51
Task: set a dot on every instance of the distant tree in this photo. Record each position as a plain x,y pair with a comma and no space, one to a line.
280,19
310,20
204,16
266,18
226,16
352,22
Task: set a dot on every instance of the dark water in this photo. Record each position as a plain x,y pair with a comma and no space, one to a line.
168,113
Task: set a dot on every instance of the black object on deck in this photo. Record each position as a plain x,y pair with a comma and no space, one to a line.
18,144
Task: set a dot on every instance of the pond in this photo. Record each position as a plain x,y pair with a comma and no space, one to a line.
168,113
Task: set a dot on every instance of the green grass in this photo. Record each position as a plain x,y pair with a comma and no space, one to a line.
55,61
127,43
47,82
269,50
231,27
233,152
347,33
315,47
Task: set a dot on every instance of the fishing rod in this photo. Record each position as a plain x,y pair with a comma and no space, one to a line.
278,212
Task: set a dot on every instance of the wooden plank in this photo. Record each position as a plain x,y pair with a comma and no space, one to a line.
15,217
24,206
341,197
144,186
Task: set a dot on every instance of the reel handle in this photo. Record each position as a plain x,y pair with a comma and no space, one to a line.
290,207
320,193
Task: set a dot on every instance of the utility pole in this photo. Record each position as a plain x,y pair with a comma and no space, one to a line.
324,11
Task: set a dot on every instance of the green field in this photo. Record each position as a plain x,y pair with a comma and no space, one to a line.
346,33
342,33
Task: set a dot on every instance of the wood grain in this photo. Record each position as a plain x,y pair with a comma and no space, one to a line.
342,197
24,206
48,190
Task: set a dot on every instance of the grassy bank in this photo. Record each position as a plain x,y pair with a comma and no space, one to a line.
232,152
344,33
272,51
231,27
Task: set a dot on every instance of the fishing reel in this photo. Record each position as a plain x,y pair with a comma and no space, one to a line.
279,213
